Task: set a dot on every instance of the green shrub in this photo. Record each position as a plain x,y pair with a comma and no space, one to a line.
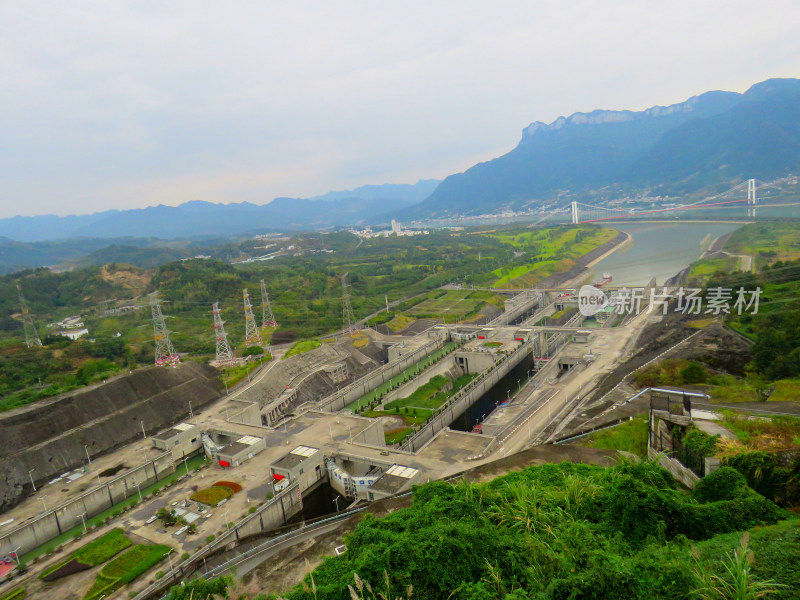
725,483
767,478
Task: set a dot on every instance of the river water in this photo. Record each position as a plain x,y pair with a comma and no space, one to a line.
659,250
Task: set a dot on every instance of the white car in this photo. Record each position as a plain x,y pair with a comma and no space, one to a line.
151,520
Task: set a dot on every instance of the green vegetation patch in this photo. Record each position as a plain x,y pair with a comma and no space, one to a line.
90,555
301,347
422,393
708,266
552,531
546,251
18,594
401,378
126,568
212,495
399,322
630,436
233,375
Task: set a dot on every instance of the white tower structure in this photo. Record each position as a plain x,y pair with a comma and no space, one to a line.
348,320
267,317
251,335
574,213
224,352
31,335
751,197
165,352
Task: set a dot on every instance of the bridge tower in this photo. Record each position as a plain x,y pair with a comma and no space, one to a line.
574,213
348,320
251,335
224,352
751,197
267,318
31,335
165,352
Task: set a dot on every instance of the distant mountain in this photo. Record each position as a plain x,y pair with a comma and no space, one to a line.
406,192
712,138
22,255
198,218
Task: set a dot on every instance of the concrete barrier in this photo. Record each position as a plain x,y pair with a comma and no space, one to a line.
54,522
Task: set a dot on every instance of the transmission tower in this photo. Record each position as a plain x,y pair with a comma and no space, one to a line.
251,335
267,318
347,310
31,335
224,352
165,352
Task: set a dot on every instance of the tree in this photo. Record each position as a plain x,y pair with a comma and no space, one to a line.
694,373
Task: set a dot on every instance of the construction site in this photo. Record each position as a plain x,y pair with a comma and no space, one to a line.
173,459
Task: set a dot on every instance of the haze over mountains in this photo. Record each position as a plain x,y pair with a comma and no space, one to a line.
713,138
198,218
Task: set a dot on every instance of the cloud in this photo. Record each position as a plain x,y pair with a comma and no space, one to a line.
125,104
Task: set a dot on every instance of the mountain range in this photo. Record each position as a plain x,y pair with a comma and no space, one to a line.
198,218
714,138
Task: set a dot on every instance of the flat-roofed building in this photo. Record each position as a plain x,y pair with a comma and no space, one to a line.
396,479
182,440
242,449
304,465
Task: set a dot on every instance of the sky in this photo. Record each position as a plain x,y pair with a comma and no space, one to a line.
114,104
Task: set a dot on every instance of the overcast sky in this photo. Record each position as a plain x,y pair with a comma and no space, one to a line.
128,104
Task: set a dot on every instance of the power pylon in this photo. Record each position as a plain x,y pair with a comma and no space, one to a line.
224,352
31,335
348,320
251,335
165,352
267,318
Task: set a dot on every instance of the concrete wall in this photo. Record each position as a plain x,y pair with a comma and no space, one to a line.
366,384
675,468
372,435
66,516
49,436
465,397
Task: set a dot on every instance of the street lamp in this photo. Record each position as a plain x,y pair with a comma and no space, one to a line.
43,504
169,558
84,521
336,501
86,447
138,490
31,476
15,555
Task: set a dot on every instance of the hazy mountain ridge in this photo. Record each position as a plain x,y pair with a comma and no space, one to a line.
199,218
710,138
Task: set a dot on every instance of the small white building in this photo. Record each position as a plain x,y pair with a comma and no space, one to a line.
73,334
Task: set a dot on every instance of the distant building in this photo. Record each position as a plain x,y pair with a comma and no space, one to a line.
395,227
73,334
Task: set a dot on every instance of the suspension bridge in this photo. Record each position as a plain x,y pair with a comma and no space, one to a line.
743,194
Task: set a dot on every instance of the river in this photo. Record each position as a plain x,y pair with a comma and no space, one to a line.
659,250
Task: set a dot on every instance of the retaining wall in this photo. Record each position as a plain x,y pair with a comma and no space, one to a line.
52,436
62,518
